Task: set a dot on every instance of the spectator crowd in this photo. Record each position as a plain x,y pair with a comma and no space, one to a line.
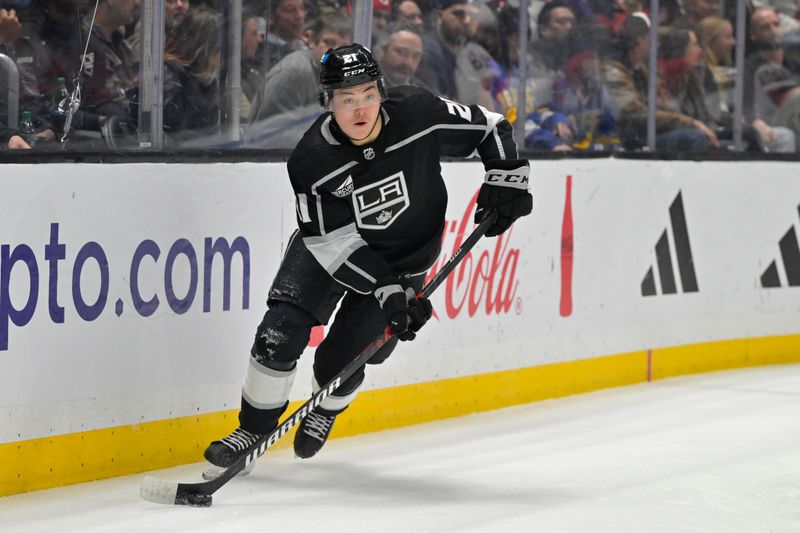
585,79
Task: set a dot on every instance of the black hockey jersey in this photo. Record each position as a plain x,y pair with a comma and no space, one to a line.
374,210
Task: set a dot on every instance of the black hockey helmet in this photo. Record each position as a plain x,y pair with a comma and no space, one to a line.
348,66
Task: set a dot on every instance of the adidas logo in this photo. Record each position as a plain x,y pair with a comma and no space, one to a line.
345,189
664,256
789,260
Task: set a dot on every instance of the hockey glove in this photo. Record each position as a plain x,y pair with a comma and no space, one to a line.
505,189
405,313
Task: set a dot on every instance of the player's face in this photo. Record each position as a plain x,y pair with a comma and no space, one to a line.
356,110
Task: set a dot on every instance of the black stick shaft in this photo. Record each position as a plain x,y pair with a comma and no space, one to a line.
187,490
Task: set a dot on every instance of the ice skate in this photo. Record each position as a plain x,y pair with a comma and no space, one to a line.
312,434
222,453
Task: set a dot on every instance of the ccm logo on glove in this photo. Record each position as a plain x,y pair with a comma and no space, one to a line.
512,178
505,191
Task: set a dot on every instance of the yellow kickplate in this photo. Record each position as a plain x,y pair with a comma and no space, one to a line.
87,456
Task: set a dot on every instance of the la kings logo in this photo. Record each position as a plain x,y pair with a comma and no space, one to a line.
379,204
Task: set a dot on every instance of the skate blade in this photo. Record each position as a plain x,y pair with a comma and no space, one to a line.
214,471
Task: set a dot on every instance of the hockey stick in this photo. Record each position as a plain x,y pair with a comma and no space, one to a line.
199,494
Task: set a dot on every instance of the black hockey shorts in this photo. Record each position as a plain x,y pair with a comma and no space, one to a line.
302,282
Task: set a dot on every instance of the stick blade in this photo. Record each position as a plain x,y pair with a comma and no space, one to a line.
166,492
158,490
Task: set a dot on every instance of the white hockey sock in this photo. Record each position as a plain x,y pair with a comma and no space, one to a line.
267,388
332,402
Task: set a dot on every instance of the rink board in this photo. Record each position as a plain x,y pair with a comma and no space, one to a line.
129,295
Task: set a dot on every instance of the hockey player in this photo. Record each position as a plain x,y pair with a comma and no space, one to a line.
371,207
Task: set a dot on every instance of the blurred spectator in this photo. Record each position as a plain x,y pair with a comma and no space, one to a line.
285,23
626,79
695,11
175,11
23,51
508,32
717,42
11,138
110,67
323,8
191,73
678,55
294,82
790,8
53,28
441,46
589,103
670,12
550,51
381,16
547,130
409,11
399,53
716,72
610,13
477,72
771,77
582,118
555,22
717,76
502,79
788,12
250,72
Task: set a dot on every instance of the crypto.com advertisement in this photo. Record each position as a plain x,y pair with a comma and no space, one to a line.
131,292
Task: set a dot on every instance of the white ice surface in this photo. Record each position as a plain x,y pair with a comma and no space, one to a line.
711,453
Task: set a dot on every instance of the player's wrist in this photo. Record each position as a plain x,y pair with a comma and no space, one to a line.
386,287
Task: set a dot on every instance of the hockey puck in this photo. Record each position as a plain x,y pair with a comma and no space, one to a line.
159,491
193,499
198,500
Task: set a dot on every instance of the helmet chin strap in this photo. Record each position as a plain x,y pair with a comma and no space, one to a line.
377,118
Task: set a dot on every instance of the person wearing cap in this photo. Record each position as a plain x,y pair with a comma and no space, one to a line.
370,205
381,15
453,20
